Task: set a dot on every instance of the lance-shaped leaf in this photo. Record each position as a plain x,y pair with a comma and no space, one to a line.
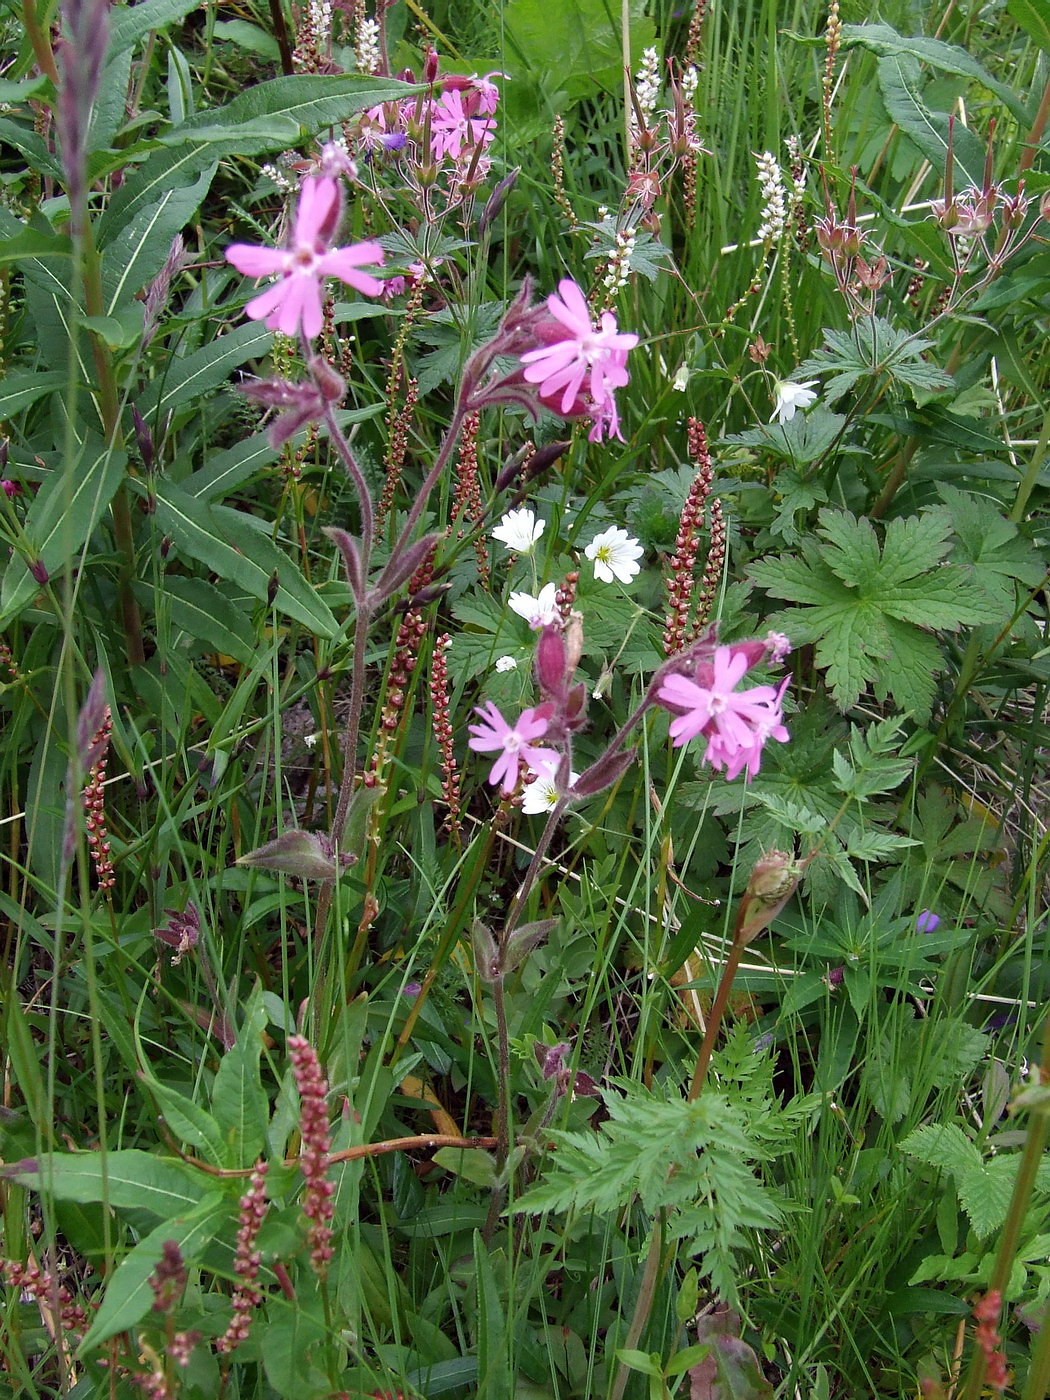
401,567
306,854
605,771
355,574
522,941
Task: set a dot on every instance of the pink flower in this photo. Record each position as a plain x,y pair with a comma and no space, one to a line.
295,300
451,126
514,746
583,362
736,724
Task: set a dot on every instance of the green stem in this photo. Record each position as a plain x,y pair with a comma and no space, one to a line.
38,37
643,1305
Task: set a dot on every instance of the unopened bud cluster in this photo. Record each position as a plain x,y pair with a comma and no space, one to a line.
247,1260
42,1286
683,560
443,731
94,801
315,1145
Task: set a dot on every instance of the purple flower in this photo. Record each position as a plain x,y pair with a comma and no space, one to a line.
579,365
514,745
295,300
735,723
927,922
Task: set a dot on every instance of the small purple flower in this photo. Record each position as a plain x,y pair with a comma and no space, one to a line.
927,922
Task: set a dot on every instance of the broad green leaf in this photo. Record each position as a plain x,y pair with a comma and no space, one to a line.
250,37
33,243
575,46
490,1324
185,380
223,541
188,1121
947,58
139,252
206,612
128,1296
33,147
128,26
18,391
900,80
238,1100
909,669
912,546
1034,18
59,522
128,1179
227,470
308,101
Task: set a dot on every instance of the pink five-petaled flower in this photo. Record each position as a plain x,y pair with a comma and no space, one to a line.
451,125
295,300
736,724
587,360
514,745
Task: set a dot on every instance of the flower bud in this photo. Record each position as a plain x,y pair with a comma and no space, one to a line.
551,656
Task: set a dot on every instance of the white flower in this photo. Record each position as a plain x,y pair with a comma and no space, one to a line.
519,530
681,378
614,555
792,396
537,612
542,795
506,663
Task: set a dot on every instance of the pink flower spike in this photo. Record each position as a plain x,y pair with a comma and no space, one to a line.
295,300
514,745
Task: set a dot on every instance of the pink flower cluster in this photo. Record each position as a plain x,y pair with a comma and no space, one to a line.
294,300
316,1143
578,365
460,121
735,723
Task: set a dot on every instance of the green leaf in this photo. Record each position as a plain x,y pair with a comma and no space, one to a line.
227,470
942,1145
187,1120
186,379
223,541
140,250
1033,16
32,243
900,81
129,1179
60,520
238,1099
985,1192
128,1296
18,391
245,127
209,615
129,25
947,58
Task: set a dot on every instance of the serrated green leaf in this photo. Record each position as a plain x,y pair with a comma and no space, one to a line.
985,1191
945,599
913,545
947,58
128,1295
943,1145
909,670
852,552
877,845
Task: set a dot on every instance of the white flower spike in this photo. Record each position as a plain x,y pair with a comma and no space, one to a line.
519,530
791,397
614,554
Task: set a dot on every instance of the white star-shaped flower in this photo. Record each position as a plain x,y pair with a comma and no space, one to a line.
519,530
538,612
614,554
791,397
542,794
